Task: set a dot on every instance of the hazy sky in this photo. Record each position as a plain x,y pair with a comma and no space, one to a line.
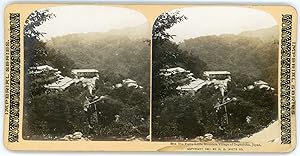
81,19
204,21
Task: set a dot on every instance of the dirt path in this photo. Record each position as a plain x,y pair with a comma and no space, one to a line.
269,134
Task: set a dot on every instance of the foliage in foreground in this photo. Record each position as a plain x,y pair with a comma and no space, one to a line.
192,116
61,113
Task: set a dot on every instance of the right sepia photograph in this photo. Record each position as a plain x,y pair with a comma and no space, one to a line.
215,75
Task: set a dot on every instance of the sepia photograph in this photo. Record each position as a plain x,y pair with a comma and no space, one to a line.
86,73
215,75
150,77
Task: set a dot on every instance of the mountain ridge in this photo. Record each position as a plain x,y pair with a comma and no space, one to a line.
246,55
108,52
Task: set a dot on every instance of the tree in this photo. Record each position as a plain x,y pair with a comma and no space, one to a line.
38,102
180,116
34,20
35,49
36,53
166,54
164,22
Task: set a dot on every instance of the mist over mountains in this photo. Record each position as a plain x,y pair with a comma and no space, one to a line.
248,55
265,35
136,32
125,51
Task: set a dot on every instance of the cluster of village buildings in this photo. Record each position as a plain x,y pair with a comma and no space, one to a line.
87,77
188,84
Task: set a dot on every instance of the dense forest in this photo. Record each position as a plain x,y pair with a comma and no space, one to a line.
249,56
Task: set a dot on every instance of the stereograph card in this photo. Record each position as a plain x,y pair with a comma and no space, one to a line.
137,77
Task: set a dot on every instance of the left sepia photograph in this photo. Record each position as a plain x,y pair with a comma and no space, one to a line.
86,74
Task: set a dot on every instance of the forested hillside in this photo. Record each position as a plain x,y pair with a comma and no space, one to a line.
249,56
111,52
57,114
